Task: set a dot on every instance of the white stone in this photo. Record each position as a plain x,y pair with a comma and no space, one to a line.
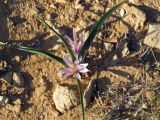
65,98
18,80
152,38
122,12
3,100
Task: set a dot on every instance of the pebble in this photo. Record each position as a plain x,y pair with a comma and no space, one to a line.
114,60
125,51
65,98
18,80
17,59
61,1
3,65
108,46
153,35
14,78
3,100
122,12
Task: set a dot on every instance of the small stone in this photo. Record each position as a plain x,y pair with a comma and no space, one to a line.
17,58
65,98
135,17
3,65
52,6
14,78
114,60
18,80
108,46
56,47
122,12
48,16
125,51
3,100
61,1
153,35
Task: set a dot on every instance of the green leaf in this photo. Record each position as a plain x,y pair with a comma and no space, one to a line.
36,51
96,28
61,38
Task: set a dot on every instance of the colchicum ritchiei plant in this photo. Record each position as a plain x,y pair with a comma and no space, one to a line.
77,51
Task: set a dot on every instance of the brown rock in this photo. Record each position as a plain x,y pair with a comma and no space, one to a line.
135,17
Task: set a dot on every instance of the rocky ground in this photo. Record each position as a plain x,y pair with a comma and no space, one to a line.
125,54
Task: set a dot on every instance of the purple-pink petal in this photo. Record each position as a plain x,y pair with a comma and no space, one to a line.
78,76
75,38
65,70
68,60
82,68
84,64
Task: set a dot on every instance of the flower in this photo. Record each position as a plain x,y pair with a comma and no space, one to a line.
73,68
77,44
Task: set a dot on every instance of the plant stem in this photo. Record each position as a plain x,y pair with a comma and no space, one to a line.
81,97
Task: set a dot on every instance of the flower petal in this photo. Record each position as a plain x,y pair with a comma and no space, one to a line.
75,38
68,60
79,46
71,42
78,76
84,70
64,71
84,64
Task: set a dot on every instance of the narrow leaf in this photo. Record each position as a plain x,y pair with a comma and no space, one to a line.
61,38
31,50
96,28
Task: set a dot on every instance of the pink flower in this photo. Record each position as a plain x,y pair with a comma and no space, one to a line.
73,68
76,43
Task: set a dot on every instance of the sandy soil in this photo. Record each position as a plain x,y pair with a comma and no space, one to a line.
18,24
